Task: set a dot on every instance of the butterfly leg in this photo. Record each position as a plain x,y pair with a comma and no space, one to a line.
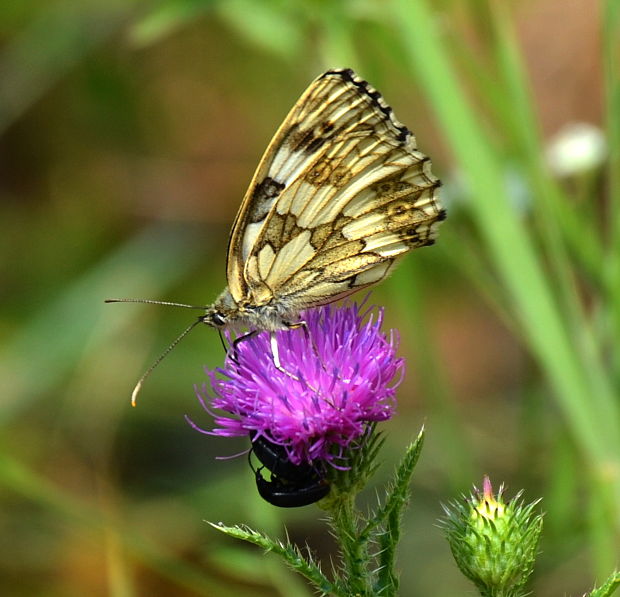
236,343
275,352
302,324
298,324
276,357
274,345
222,342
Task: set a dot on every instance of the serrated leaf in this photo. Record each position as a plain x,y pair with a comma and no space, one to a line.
291,554
609,588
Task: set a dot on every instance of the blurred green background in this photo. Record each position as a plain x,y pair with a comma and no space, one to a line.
128,133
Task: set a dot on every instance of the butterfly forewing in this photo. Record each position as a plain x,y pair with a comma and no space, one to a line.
340,193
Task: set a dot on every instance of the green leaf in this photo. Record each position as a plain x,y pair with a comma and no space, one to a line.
291,554
609,588
391,516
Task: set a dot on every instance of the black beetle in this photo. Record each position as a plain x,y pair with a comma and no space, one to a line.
291,485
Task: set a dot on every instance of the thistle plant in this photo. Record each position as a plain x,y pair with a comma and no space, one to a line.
312,423
494,543
337,374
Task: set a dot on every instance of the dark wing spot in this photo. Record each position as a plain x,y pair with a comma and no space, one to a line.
273,230
315,144
269,188
263,198
304,140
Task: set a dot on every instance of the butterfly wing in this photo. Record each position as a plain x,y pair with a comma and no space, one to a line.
340,193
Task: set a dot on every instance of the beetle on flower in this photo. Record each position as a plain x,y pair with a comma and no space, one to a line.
338,374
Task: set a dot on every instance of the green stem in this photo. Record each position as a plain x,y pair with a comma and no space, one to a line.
354,551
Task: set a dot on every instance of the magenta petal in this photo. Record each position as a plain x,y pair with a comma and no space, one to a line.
339,375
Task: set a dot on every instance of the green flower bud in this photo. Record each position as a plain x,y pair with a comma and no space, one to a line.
494,543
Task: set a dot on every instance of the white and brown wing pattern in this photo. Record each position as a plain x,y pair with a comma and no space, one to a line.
339,195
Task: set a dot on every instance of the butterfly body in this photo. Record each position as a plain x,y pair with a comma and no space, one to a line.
272,316
340,194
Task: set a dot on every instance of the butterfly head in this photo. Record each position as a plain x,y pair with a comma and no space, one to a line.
222,313
214,317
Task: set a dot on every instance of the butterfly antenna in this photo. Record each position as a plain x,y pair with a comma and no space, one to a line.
152,302
136,390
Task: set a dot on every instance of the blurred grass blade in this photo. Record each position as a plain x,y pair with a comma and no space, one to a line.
81,515
510,246
496,103
336,42
165,18
270,25
551,204
431,375
53,43
611,65
145,266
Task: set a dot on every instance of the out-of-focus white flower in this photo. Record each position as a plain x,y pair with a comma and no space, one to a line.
577,147
456,189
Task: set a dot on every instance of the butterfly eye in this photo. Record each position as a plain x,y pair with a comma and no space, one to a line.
218,319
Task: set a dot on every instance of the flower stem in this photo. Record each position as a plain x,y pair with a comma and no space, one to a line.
354,551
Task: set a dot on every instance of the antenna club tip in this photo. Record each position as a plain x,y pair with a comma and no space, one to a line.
136,390
134,394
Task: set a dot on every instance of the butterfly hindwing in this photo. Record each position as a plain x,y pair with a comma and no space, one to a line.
340,193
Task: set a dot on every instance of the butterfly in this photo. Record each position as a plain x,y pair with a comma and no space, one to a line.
340,194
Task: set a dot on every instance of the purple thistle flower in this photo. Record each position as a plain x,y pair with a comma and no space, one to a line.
338,376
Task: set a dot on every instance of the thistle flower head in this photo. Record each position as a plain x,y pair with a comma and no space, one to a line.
337,374
493,543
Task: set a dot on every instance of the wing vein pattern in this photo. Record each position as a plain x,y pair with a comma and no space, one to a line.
339,195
